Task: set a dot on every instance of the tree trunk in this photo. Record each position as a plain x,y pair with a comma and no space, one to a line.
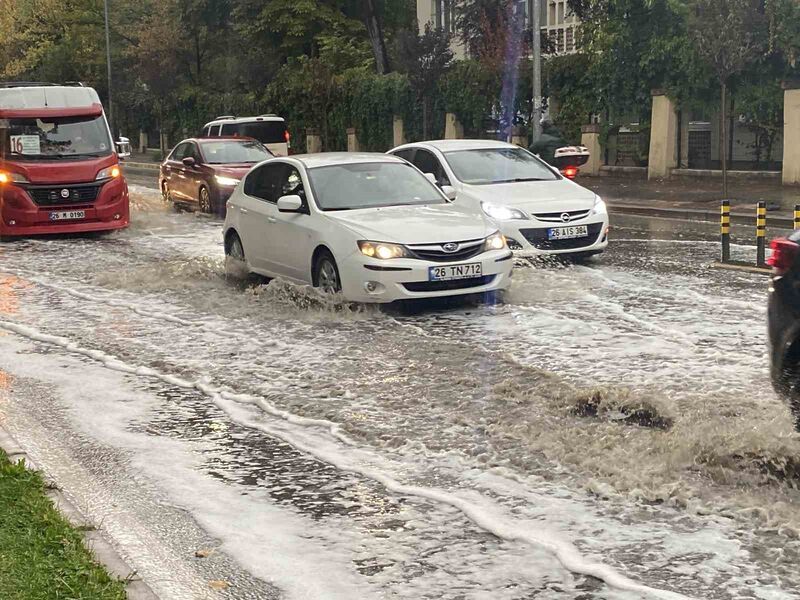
724,145
425,118
375,32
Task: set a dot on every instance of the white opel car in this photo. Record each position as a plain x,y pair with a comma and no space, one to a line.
368,225
539,211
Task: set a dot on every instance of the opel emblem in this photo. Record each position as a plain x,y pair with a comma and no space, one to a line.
450,247
65,193
566,217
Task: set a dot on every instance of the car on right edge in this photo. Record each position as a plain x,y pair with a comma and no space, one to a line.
540,212
783,321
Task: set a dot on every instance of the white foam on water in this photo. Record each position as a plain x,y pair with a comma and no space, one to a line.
491,520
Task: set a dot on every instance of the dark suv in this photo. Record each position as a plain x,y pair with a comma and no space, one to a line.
783,317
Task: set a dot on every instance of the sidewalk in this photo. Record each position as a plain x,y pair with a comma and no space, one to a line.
696,199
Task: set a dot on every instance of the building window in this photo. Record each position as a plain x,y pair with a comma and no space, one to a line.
445,15
570,44
560,40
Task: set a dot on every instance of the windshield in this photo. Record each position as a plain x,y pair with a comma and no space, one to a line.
371,185
228,152
497,165
54,137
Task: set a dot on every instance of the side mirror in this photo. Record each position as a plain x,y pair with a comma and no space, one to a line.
123,147
189,161
450,192
290,204
432,178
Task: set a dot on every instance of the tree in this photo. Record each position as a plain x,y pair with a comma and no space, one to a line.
728,35
425,59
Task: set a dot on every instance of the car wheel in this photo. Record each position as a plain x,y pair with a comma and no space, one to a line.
235,261
788,385
326,274
204,200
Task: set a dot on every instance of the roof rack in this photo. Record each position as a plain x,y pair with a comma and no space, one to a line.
14,84
268,115
225,117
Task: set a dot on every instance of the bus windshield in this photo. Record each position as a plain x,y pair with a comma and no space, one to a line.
36,138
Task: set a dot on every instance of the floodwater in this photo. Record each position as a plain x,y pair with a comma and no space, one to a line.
607,432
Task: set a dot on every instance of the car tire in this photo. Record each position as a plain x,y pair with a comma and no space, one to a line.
788,386
235,260
326,273
204,200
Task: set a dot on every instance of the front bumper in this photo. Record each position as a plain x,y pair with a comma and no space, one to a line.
21,216
408,279
528,238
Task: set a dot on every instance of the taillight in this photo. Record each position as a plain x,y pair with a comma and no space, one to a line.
569,172
784,252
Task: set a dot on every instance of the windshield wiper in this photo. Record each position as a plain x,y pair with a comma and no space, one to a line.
521,179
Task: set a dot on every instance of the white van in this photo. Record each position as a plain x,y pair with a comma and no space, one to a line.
270,130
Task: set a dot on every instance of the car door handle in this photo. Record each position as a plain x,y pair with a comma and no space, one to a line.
243,210
271,220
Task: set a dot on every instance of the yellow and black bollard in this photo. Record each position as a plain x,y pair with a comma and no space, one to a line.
725,229
761,232
797,216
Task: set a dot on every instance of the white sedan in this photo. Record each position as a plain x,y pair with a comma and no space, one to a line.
370,226
539,210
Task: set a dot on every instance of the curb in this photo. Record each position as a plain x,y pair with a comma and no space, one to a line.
696,214
93,539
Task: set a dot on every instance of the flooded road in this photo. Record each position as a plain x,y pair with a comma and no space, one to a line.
608,432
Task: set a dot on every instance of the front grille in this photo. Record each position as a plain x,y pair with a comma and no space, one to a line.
558,217
538,238
436,253
456,284
84,193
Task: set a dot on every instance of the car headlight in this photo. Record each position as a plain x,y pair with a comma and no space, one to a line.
8,177
111,172
502,213
226,181
382,250
496,241
599,207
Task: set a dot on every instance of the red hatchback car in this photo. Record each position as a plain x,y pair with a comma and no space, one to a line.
203,172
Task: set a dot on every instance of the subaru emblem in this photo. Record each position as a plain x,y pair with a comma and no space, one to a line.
566,217
450,247
65,193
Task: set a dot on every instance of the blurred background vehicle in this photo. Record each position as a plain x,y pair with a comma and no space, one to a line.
539,211
783,321
270,130
203,172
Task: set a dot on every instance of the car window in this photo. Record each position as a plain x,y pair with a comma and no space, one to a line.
222,152
405,154
427,163
207,131
193,152
179,152
266,182
353,186
498,165
266,132
216,130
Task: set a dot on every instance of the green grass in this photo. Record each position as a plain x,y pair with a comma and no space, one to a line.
42,556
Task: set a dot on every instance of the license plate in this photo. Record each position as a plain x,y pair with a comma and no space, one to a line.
566,233
451,272
67,215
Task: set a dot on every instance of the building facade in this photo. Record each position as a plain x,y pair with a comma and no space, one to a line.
557,22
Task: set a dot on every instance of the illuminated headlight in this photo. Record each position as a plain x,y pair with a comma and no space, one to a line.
496,241
226,181
381,250
111,172
599,206
6,177
502,213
